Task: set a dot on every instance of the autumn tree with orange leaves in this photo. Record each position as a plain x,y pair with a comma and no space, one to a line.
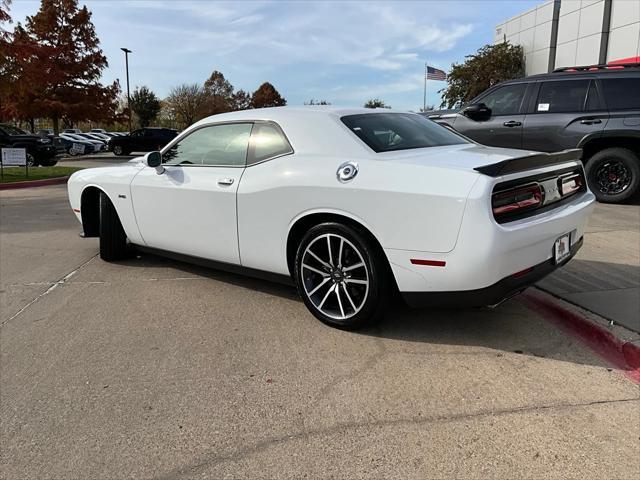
53,66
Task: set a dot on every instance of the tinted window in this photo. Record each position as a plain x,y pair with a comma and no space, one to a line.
11,130
505,100
593,101
621,93
385,132
562,96
267,141
219,145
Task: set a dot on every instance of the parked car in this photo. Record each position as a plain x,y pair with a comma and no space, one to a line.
348,204
39,150
72,130
98,145
593,108
142,140
68,142
95,136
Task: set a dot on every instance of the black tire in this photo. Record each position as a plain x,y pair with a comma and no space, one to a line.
113,240
613,174
48,163
370,301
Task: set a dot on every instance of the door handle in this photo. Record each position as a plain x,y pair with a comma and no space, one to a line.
590,121
225,181
512,123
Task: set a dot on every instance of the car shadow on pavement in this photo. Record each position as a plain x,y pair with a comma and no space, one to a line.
511,327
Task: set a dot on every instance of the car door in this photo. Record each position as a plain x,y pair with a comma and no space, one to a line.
191,207
564,112
504,126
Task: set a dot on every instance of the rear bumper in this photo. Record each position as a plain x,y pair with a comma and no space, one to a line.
491,295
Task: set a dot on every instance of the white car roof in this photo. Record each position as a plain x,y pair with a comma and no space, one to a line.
310,129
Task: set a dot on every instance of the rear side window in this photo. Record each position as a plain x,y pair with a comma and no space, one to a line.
386,132
562,96
505,100
267,141
622,93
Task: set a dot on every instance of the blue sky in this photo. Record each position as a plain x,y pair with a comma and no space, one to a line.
343,52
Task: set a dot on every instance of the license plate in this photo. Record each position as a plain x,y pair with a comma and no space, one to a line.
562,248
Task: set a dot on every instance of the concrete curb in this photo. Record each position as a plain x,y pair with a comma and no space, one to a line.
34,183
621,353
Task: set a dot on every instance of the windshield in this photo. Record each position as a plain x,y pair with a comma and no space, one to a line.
11,130
387,132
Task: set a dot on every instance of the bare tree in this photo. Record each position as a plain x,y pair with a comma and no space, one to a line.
186,101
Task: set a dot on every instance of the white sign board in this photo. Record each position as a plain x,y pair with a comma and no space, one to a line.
77,149
14,156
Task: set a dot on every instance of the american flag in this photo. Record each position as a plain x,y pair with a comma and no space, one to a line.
435,74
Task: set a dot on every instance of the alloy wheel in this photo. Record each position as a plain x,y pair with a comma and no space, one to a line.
612,178
335,276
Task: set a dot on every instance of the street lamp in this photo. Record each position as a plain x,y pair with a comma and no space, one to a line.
126,61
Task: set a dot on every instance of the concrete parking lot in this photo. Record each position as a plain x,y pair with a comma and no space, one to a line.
151,368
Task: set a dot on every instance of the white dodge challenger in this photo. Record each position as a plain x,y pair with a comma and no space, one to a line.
349,204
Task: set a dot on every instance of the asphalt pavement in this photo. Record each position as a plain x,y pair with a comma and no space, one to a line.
150,368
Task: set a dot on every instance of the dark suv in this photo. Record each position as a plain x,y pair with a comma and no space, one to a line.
143,140
39,150
594,108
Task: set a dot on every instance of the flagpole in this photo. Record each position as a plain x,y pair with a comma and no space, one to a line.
424,99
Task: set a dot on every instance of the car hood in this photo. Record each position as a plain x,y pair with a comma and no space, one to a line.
460,157
29,138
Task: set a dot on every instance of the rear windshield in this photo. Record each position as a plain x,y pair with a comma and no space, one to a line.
387,132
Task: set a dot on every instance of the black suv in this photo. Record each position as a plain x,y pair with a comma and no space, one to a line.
143,140
595,108
39,150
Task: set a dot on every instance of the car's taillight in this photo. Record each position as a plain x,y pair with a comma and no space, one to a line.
516,200
570,184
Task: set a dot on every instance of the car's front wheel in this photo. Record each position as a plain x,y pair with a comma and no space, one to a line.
118,150
341,276
113,240
613,174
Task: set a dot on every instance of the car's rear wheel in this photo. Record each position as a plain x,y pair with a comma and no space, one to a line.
613,174
341,276
118,150
113,240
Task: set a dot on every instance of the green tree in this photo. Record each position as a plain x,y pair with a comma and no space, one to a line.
186,103
145,105
313,101
56,64
241,100
490,65
267,96
375,103
218,94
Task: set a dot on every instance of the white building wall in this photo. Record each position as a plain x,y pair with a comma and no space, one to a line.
579,35
532,30
624,31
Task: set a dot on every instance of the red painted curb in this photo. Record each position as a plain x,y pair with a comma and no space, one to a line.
34,183
620,353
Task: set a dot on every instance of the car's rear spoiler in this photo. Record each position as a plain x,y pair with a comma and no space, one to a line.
530,162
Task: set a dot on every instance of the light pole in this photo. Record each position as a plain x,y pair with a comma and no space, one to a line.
126,61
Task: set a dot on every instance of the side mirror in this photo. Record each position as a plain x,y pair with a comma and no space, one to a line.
477,112
154,160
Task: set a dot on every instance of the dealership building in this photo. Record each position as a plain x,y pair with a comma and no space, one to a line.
565,33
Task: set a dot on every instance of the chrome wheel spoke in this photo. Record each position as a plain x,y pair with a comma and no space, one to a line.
309,267
337,290
326,295
340,252
356,281
324,264
319,286
352,267
329,247
346,292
